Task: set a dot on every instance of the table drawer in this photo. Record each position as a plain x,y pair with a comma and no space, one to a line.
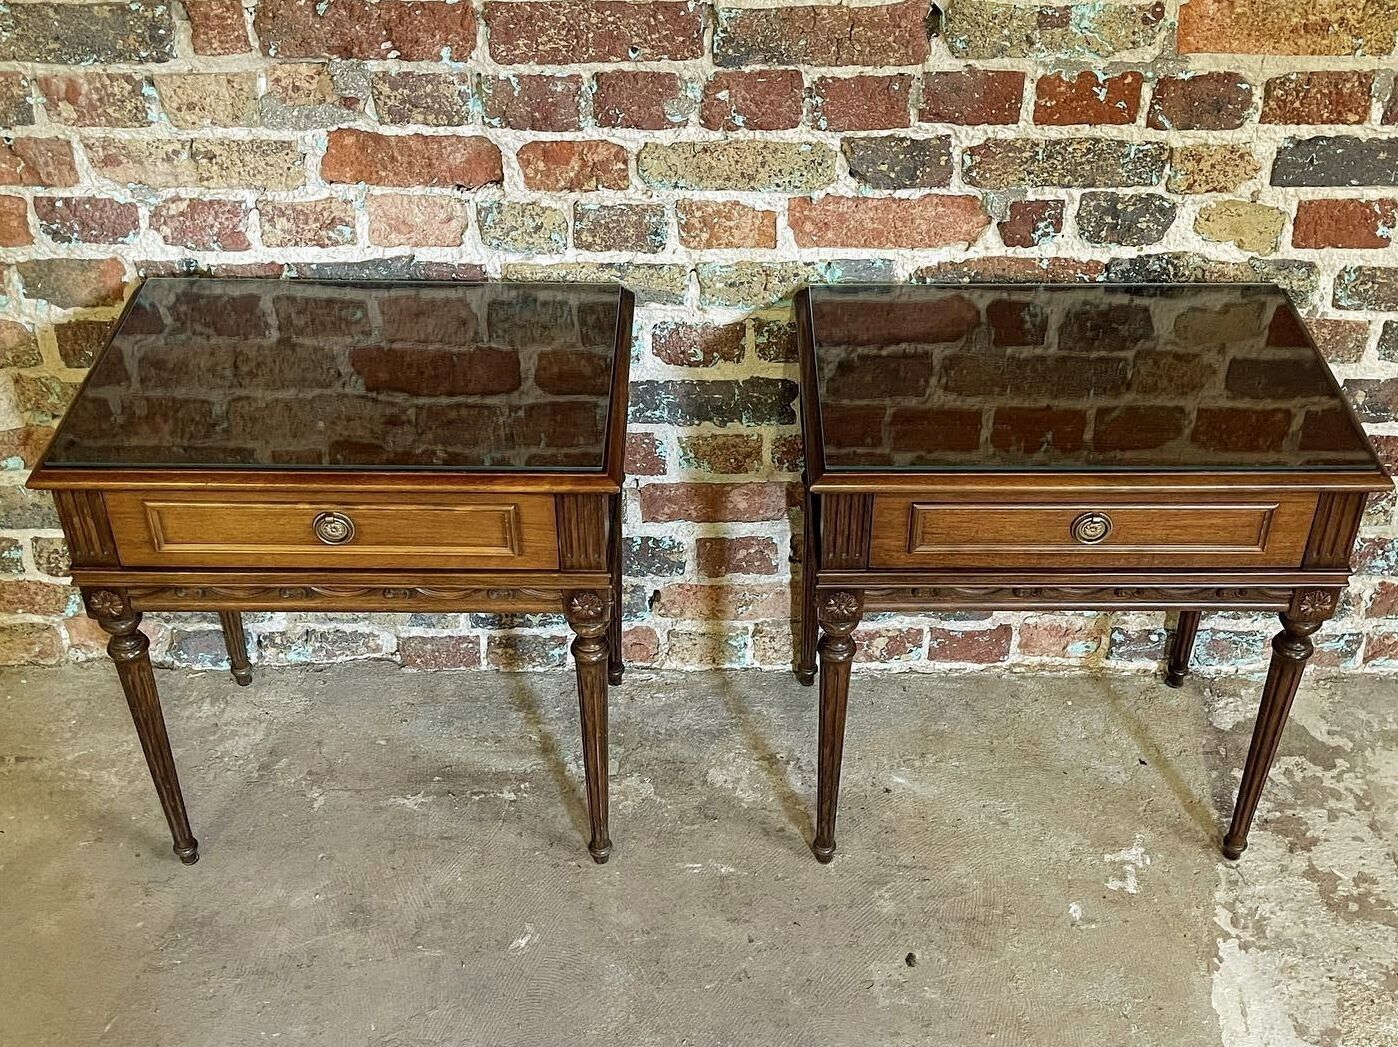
1111,530
164,528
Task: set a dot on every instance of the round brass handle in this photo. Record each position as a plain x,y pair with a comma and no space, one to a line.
333,528
1091,528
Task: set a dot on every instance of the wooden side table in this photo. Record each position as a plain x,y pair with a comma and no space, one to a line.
259,445
1091,447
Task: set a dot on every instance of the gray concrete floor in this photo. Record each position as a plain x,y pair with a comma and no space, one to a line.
397,860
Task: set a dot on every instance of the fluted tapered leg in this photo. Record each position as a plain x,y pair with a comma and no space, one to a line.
237,644
1181,648
839,614
615,667
129,649
589,615
1291,648
810,626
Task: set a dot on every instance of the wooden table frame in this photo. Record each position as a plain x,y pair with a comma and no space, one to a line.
585,587
839,585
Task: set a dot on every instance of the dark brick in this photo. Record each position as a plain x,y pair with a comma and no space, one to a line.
57,34
1240,428
1367,287
774,340
1071,162
1388,341
972,96
532,102
1136,428
749,401
1204,102
1030,223
23,509
896,162
631,98
682,344
1134,220
79,341
406,29
1336,160
1030,431
648,557
572,31
436,99
1318,97
753,100
16,108
888,34
636,228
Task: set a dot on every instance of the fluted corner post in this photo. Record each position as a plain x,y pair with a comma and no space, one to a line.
839,612
615,667
810,626
589,615
1291,649
1181,647
130,650
237,643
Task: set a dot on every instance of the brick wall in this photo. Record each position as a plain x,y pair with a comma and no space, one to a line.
714,158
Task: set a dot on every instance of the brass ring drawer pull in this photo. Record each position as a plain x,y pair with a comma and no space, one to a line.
1091,528
333,528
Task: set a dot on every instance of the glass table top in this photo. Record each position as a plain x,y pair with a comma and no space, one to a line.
1074,377
243,373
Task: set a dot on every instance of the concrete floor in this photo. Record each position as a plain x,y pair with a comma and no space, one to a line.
397,860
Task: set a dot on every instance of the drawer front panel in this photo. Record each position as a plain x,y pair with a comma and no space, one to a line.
337,529
1116,530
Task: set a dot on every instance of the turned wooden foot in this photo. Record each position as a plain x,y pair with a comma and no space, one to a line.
589,615
129,649
839,614
1291,648
237,644
1181,648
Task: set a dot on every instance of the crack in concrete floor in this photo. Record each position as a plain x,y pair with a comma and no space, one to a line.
397,860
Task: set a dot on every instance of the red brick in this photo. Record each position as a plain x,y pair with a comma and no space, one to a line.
573,166
886,222
408,29
37,161
1060,637
645,455
979,646
14,222
202,225
218,27
1318,98
827,35
723,602
1341,341
753,100
1029,430
435,653
861,103
1331,28
972,96
1384,601
1030,223
709,225
437,372
532,102
97,99
573,31
1345,223
750,554
889,644
30,643
352,155
416,221
933,429
86,219
722,454
1137,428
712,503
628,98
34,597
640,646
683,344
72,283
1088,98
1240,428
1205,102
307,223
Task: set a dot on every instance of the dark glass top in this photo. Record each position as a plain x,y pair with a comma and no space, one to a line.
1075,377
313,375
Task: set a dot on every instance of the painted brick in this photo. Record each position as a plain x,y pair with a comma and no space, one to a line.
711,225
1318,98
97,99
202,225
576,166
861,103
86,219
1203,102
753,100
397,220
408,29
1323,27
757,166
1333,160
711,503
1359,224
410,160
898,162
124,32
839,35
1069,162
1030,223
435,99
574,31
639,228
887,222
628,98
529,102
1088,98
218,27
972,96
